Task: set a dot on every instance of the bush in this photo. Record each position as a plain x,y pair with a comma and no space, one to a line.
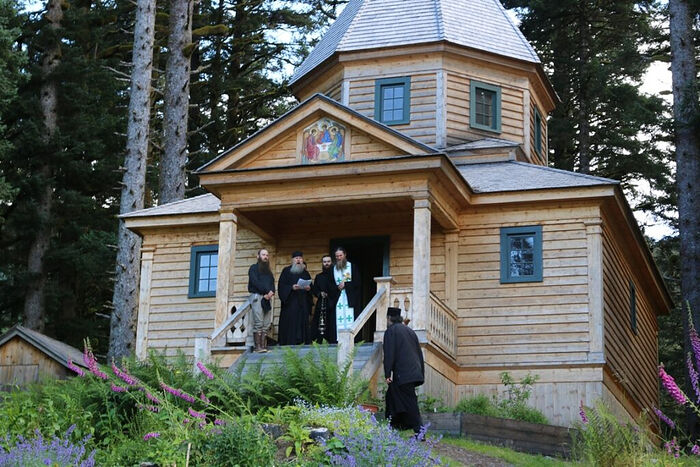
480,404
240,443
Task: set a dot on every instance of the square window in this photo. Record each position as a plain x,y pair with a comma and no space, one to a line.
521,254
485,106
392,100
203,270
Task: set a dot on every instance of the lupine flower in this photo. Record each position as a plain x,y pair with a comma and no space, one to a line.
671,387
695,449
116,388
205,370
150,435
152,398
693,376
694,342
75,368
664,418
128,379
204,398
196,414
582,413
177,393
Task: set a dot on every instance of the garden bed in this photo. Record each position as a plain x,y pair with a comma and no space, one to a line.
533,438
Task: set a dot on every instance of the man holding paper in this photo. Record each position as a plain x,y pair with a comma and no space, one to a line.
294,289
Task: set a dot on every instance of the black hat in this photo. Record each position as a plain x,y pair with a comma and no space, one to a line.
297,253
392,311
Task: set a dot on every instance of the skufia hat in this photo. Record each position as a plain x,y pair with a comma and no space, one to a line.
297,253
393,311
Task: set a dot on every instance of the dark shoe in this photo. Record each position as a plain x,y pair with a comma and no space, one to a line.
263,342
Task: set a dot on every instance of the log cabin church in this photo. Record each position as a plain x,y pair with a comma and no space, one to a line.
420,145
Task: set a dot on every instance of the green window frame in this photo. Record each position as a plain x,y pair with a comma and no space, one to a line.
538,131
392,100
204,262
485,106
633,307
521,254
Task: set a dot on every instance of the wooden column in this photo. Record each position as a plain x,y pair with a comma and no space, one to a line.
441,109
596,318
228,228
345,92
421,263
380,317
144,302
451,258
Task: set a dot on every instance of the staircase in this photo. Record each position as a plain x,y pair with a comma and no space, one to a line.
368,358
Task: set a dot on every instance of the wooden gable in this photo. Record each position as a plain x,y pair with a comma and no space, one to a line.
318,131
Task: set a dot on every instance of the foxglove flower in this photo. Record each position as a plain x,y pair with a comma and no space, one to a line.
205,370
671,387
664,418
150,435
177,393
75,368
128,379
196,414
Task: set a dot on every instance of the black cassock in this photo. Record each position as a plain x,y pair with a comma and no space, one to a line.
296,306
324,282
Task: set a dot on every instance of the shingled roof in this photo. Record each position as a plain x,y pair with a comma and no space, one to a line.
57,350
370,24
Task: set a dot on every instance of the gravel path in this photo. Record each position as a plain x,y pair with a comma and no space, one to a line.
466,457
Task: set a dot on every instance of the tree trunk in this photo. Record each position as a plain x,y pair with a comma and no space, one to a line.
584,116
125,299
173,177
34,299
687,140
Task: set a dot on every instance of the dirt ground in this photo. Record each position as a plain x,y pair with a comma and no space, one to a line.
466,457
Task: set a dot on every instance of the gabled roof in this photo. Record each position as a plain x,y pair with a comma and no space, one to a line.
321,103
503,176
206,203
55,349
370,24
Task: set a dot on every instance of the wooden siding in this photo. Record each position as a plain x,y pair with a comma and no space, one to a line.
458,105
423,101
21,363
519,323
334,91
632,359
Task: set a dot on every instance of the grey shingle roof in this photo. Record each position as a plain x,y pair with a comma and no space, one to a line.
199,204
485,143
494,177
369,24
55,349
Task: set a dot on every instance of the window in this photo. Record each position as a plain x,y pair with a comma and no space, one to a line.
204,261
521,254
538,132
485,106
392,100
633,308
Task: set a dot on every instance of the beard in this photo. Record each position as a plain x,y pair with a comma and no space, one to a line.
326,268
264,267
341,265
297,268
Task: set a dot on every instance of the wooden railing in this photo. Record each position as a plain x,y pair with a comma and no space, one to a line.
377,307
442,326
203,343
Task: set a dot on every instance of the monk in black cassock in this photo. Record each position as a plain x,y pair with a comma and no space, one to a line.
324,287
296,302
404,371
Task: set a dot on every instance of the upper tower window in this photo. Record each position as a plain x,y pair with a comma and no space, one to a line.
485,108
392,100
538,132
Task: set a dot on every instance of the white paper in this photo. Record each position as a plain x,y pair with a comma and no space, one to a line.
304,282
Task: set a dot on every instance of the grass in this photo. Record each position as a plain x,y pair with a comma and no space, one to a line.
515,458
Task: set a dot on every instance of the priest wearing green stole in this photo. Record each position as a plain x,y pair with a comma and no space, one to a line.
347,296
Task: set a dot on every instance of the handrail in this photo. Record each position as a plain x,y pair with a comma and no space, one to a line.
443,306
202,343
367,312
233,319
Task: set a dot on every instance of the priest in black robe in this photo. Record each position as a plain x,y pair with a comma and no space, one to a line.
296,302
324,288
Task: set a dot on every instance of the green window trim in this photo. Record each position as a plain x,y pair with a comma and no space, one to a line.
633,307
495,92
538,131
532,255
390,84
197,254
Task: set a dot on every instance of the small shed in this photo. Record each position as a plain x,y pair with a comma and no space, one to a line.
27,355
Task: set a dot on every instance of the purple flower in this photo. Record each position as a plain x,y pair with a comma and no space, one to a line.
664,418
128,379
150,435
185,421
671,387
694,341
205,370
672,447
582,413
152,398
75,368
150,408
116,388
219,422
204,398
695,449
196,414
177,393
91,363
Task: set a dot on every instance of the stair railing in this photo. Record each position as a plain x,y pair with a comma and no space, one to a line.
202,343
377,307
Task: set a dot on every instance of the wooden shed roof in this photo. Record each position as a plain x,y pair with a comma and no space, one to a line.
371,24
57,350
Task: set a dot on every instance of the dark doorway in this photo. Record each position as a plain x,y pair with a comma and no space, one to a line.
371,256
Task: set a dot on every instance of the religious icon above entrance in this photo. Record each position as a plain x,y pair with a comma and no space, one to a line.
323,141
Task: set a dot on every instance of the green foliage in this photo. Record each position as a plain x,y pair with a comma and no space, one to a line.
240,443
428,403
481,404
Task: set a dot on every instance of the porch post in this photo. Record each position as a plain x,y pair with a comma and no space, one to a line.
421,263
594,238
451,257
380,315
144,302
228,228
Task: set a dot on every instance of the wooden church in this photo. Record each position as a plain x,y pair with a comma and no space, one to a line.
420,145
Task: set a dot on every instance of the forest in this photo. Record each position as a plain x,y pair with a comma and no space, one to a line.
108,106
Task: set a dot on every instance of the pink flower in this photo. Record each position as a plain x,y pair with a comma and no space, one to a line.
196,414
695,449
116,388
150,435
582,413
694,342
152,398
693,376
203,398
75,368
205,370
128,379
177,393
151,408
219,422
671,387
91,363
664,418
185,421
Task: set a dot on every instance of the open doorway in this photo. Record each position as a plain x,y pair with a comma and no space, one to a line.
371,256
